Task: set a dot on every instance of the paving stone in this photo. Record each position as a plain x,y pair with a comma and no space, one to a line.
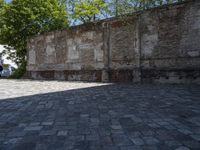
182,148
21,125
33,128
173,143
40,146
135,134
116,127
59,123
13,141
137,141
131,148
151,140
16,134
49,115
106,140
148,133
62,133
153,147
34,124
49,132
110,148
192,144
185,131
84,115
170,127
47,123
82,145
196,137
121,140
162,123
25,146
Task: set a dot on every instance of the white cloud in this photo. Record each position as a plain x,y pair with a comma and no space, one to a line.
6,61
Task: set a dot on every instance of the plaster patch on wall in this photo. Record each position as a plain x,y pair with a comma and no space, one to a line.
50,59
86,46
73,53
190,32
32,57
75,66
99,65
88,35
50,50
78,40
98,53
148,44
49,38
69,42
196,24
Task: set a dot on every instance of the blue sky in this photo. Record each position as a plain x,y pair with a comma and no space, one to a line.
8,0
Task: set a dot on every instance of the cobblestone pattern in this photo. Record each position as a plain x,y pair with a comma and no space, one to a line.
75,116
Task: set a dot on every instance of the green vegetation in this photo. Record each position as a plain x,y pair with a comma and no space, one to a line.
82,11
23,18
18,73
121,7
5,65
85,10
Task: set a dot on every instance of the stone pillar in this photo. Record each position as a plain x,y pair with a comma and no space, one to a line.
106,49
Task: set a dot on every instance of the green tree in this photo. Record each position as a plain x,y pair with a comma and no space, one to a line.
21,19
83,11
2,3
121,7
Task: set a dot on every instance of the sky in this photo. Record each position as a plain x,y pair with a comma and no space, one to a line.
5,60
8,1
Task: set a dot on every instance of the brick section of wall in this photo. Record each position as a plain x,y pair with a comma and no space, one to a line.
156,45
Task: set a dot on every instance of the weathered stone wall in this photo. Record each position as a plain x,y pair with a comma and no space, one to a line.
156,45
75,54
170,48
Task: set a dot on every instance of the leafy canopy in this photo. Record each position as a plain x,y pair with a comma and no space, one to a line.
121,7
83,11
23,18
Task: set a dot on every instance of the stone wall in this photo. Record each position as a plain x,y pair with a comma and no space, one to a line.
156,45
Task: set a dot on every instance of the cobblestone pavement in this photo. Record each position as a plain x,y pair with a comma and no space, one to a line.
54,115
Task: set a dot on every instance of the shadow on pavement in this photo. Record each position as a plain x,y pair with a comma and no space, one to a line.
108,117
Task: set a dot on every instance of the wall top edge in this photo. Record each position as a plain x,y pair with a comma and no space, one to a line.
104,22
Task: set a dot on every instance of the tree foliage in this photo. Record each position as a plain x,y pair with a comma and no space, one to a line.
23,18
2,3
83,11
121,7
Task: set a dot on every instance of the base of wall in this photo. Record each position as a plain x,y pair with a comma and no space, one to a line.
87,75
83,75
170,75
136,75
